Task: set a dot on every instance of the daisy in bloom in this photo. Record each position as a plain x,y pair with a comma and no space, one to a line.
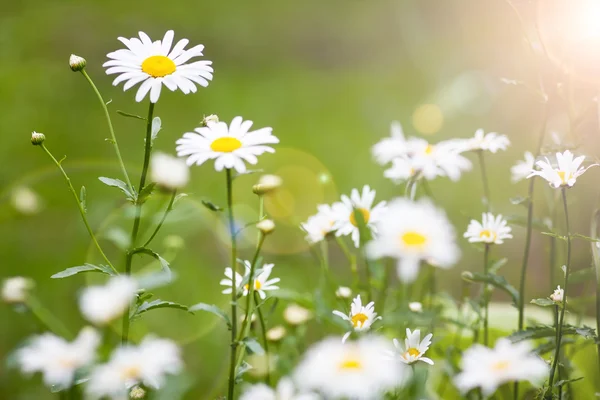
229,145
146,364
390,148
158,63
359,370
285,391
565,174
345,213
102,304
401,170
361,317
490,368
440,159
262,283
412,232
414,348
318,226
491,142
16,289
56,358
558,295
343,292
522,168
492,230
169,172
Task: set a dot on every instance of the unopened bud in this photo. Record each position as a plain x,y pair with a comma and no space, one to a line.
415,306
266,226
77,63
267,184
343,292
276,333
137,393
37,138
16,289
211,119
467,276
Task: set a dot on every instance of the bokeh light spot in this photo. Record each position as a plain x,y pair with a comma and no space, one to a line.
428,119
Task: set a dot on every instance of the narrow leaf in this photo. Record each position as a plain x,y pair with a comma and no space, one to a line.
179,197
211,206
580,236
554,235
145,193
119,184
211,308
253,345
82,198
83,268
496,281
563,382
156,304
543,302
126,114
156,127
241,370
519,200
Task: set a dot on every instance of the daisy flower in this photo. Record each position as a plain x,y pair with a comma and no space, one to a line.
390,148
345,213
402,169
565,174
361,317
506,362
16,289
558,295
229,145
441,159
146,364
103,304
491,142
285,391
492,230
169,172
158,63
413,232
343,292
262,283
57,359
414,348
415,306
296,315
357,370
318,226
522,168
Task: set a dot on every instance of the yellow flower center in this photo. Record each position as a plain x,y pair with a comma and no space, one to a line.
132,372
257,285
411,352
158,66
413,239
351,363
564,177
225,144
359,318
428,149
500,365
487,234
365,215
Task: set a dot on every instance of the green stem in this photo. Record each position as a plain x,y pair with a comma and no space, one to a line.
486,255
251,289
351,259
263,329
46,318
110,128
162,220
80,206
234,343
486,186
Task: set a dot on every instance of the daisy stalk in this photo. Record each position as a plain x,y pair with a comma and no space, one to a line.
162,220
486,295
484,178
234,343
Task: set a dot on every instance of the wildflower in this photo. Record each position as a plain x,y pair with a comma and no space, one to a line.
356,370
415,306
401,170
102,304
229,145
412,232
276,333
440,159
212,118
285,391
343,292
262,283
414,348
491,142
37,138
490,368
16,289
266,226
492,230
361,317
77,63
267,184
390,148
565,174
296,315
57,359
169,172
157,63
25,200
129,366
558,295
318,226
346,212
522,168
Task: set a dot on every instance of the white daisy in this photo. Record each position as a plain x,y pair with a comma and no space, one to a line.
57,359
415,306
229,145
402,169
491,142
345,213
565,174
558,295
169,172
156,64
361,317
440,159
262,283
490,230
359,370
285,391
296,315
522,168
414,348
390,148
146,364
16,289
103,304
343,292
318,226
490,368
412,232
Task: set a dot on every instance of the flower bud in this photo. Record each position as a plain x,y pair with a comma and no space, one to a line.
267,184
343,292
467,276
296,315
415,306
558,295
137,393
266,226
276,333
77,63
37,138
211,119
16,289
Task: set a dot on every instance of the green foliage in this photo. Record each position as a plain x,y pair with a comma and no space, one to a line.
153,305
213,309
83,268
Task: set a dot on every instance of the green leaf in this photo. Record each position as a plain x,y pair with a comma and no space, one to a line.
580,236
128,115
156,127
163,263
82,198
253,345
563,382
118,184
520,200
544,331
497,265
153,305
496,281
84,268
554,235
241,370
145,193
179,197
211,308
211,206
543,302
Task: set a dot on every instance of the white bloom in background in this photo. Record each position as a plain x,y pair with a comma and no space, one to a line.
412,232
492,230
491,142
25,200
262,364
345,213
522,168
56,358
361,317
285,391
343,292
146,364
103,304
414,348
158,63
266,226
490,368
169,172
296,315
565,174
415,306
230,146
359,370
262,283
390,148
440,159
557,295
320,225
16,289
276,333
401,170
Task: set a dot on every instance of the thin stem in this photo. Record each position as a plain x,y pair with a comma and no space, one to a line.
351,258
564,302
80,206
486,255
251,288
486,186
110,128
46,318
263,329
234,343
162,220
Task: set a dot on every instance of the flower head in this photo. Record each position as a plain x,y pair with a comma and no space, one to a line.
441,159
169,172
266,226
318,226
415,306
284,391
158,63
490,230
490,368
77,63
558,295
267,184
522,168
491,142
412,232
262,283
102,304
361,317
392,147
565,174
296,315
16,289
276,333
37,138
230,146
343,292
414,348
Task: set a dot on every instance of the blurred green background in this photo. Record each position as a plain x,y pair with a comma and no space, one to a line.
328,76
